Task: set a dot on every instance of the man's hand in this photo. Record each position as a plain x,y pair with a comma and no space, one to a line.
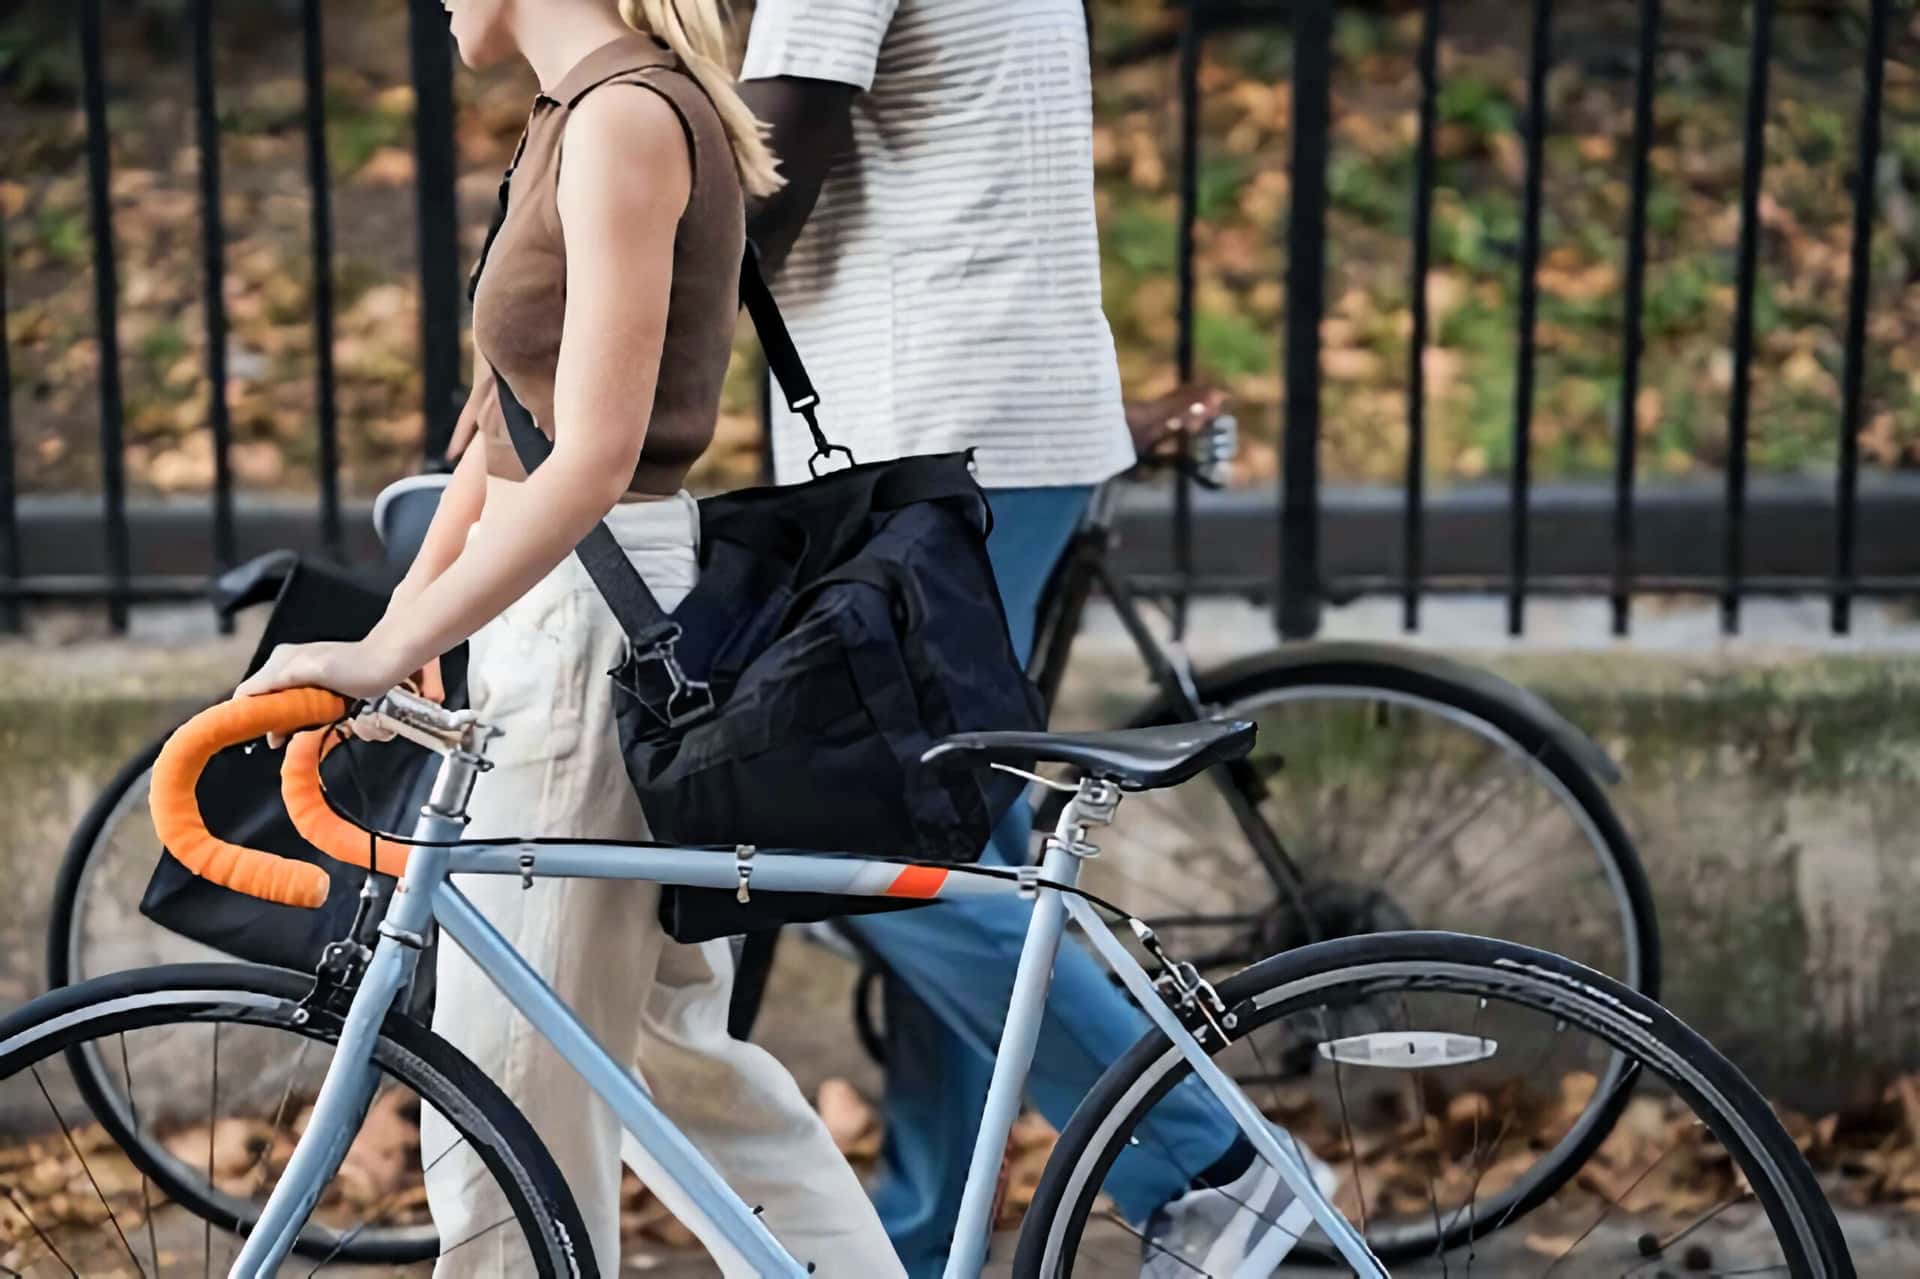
483,399
1159,425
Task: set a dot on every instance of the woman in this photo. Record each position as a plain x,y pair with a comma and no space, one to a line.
631,249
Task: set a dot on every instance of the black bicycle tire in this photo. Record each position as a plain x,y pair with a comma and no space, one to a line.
410,1053
1245,679
1590,997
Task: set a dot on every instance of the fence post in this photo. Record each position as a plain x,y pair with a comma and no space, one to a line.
1859,288
438,212
1627,431
1191,36
1414,533
106,307
1519,498
1299,594
1746,285
9,527
213,253
320,188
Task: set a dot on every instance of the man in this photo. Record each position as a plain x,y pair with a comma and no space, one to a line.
936,255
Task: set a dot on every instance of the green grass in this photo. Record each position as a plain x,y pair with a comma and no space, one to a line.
1369,189
63,234
163,344
1479,105
1678,296
1232,346
1141,237
355,131
1220,181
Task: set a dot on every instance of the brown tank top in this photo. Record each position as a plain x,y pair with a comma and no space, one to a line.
520,302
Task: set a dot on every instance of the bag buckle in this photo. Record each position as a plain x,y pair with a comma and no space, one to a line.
824,450
687,699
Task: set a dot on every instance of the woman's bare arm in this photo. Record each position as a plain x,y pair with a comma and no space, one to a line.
459,509
624,185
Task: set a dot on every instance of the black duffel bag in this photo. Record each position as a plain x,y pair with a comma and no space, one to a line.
839,628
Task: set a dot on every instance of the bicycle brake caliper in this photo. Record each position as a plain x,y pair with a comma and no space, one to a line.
1188,993
338,974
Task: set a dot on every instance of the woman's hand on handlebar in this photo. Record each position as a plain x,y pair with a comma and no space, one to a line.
361,669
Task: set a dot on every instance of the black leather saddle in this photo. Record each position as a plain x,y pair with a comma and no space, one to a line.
1135,758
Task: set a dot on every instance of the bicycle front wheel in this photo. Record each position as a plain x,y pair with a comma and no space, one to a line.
1458,1077
213,1069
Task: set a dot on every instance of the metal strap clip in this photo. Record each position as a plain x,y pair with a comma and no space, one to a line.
743,867
686,699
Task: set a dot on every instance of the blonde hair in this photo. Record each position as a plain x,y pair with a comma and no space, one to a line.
696,30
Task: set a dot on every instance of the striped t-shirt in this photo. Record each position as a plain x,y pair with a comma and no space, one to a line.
945,292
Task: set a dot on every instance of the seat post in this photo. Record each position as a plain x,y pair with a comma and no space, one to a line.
1092,805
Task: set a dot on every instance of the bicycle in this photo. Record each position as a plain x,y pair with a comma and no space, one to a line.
1408,741
1494,988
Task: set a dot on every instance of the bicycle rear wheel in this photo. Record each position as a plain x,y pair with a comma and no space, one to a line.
1459,1071
213,1068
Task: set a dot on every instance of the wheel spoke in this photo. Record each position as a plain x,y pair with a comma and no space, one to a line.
477,1235
1346,1123
380,1208
1613,1202
279,1115
1660,1248
213,1113
1145,1242
14,1199
1417,1084
87,1168
146,1192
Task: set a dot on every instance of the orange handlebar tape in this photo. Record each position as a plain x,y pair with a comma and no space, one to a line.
176,810
316,821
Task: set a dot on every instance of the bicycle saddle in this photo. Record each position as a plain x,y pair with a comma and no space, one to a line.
1136,758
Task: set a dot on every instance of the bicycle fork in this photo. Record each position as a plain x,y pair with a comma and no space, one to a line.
352,1077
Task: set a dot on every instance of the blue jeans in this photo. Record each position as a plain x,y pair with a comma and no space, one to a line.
951,971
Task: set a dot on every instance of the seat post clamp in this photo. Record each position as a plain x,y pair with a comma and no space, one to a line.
1095,801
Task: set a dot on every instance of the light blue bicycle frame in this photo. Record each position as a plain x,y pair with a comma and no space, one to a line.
425,897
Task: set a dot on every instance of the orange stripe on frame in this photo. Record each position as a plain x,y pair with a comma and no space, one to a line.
918,881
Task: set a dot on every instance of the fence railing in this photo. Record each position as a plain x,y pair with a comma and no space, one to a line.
1415,556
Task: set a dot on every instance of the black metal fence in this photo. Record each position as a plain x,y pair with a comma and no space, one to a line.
1426,546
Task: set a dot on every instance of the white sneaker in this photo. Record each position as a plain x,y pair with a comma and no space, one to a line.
1245,1228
